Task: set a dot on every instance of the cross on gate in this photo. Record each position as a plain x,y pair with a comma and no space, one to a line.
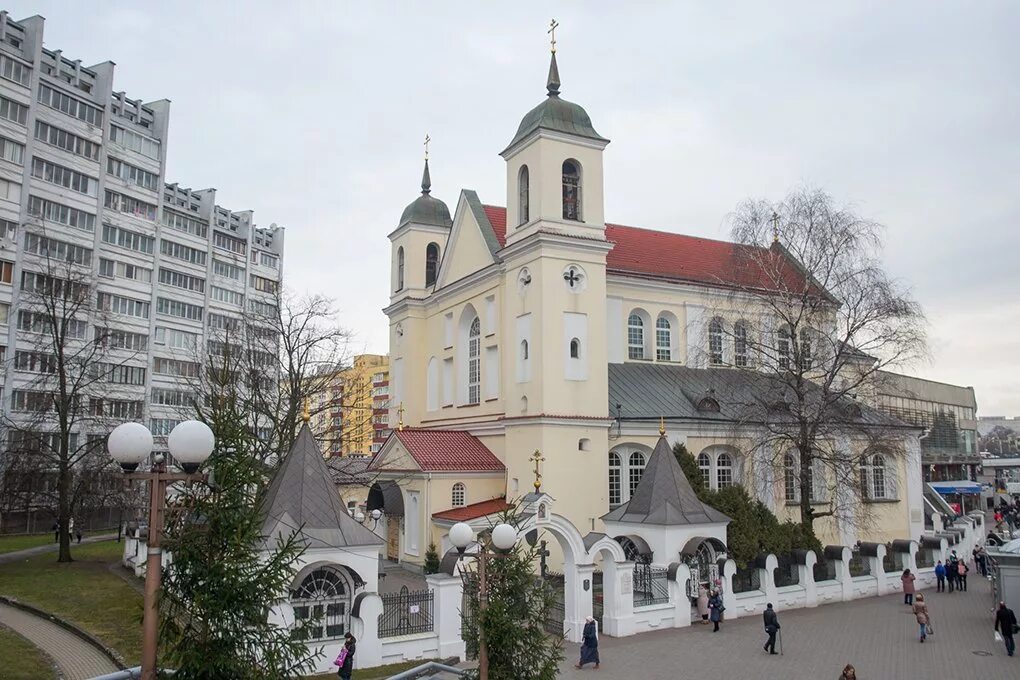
572,277
542,554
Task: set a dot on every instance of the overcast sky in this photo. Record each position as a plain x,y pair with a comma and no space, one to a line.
312,114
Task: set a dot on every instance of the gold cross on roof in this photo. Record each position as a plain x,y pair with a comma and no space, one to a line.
775,227
427,140
552,32
400,417
537,458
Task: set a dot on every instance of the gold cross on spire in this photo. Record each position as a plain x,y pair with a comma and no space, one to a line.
400,417
306,414
552,32
537,458
662,426
427,140
775,227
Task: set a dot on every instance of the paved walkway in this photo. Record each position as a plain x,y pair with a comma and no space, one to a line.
877,635
18,555
76,658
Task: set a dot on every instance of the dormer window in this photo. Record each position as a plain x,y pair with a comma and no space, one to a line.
523,204
571,190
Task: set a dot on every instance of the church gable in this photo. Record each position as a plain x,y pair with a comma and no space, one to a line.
473,243
394,456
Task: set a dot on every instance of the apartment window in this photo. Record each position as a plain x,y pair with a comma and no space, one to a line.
188,225
224,349
6,272
226,270
262,284
176,367
62,139
263,309
64,177
130,206
132,174
182,252
231,297
61,214
118,339
162,427
125,238
52,286
169,307
119,374
115,408
54,249
14,71
168,397
269,260
9,190
13,111
122,270
31,400
69,105
178,279
119,304
8,229
227,242
176,339
224,323
40,322
12,151
5,313
35,362
147,146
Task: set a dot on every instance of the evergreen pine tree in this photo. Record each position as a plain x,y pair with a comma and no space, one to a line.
431,559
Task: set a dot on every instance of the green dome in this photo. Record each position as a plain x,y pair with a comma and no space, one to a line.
425,209
556,114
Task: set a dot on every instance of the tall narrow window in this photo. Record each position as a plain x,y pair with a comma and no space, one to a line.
459,495
431,263
715,340
805,350
878,476
705,465
571,191
783,346
524,201
740,357
400,268
724,470
474,362
575,349
615,492
635,337
637,468
524,350
663,340
789,479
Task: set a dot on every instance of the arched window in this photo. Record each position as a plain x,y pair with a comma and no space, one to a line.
431,263
321,605
724,470
789,479
523,204
878,476
705,465
474,362
635,337
637,468
740,355
783,343
575,348
400,268
571,190
459,495
524,350
805,349
715,342
663,340
615,492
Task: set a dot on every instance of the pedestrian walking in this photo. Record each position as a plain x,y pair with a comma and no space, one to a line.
940,577
771,627
921,615
346,658
951,569
1005,624
56,532
849,673
715,609
908,586
703,604
589,644
78,535
961,575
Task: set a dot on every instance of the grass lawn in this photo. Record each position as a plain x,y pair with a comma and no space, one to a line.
23,541
377,672
21,660
83,592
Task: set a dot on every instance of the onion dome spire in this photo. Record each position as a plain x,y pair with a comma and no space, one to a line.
426,180
552,85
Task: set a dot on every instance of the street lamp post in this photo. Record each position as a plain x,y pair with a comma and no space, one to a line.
503,538
190,443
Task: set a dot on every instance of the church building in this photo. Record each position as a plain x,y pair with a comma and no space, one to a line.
535,335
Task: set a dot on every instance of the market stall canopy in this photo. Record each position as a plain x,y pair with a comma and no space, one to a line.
963,486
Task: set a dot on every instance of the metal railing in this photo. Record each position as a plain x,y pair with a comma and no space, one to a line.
406,613
651,585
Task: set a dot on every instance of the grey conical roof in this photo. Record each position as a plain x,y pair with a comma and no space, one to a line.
302,496
664,496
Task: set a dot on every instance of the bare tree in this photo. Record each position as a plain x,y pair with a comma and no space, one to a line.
76,377
820,321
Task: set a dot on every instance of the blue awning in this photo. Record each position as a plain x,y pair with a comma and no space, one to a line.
963,486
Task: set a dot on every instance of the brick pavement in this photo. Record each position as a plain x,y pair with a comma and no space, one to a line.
50,547
877,635
76,658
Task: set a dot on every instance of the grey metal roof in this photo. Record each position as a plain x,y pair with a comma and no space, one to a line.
302,497
556,114
664,496
488,232
349,470
425,209
652,391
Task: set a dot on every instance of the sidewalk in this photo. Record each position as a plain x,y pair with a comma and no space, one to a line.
76,658
50,547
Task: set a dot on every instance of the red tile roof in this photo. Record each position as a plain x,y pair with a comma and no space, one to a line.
473,511
448,451
662,254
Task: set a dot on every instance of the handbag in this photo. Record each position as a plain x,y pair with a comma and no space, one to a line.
1016,629
341,657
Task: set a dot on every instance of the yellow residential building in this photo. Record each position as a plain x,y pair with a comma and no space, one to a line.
350,412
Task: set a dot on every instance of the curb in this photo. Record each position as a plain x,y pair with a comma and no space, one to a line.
70,627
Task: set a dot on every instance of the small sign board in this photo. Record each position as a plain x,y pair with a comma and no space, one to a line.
413,609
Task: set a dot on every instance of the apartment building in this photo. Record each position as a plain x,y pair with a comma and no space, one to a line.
82,171
351,413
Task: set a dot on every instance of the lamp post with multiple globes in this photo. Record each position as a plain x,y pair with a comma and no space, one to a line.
191,444
502,539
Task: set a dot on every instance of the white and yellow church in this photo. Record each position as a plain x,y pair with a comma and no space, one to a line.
541,327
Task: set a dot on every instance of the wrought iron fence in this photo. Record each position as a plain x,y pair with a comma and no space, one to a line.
747,579
925,558
824,570
406,613
787,573
859,565
891,562
651,585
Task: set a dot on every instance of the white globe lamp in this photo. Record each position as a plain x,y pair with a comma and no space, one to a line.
191,443
376,514
461,536
504,536
129,445
359,517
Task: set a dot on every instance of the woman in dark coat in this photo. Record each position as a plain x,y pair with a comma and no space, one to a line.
348,667
715,607
589,645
